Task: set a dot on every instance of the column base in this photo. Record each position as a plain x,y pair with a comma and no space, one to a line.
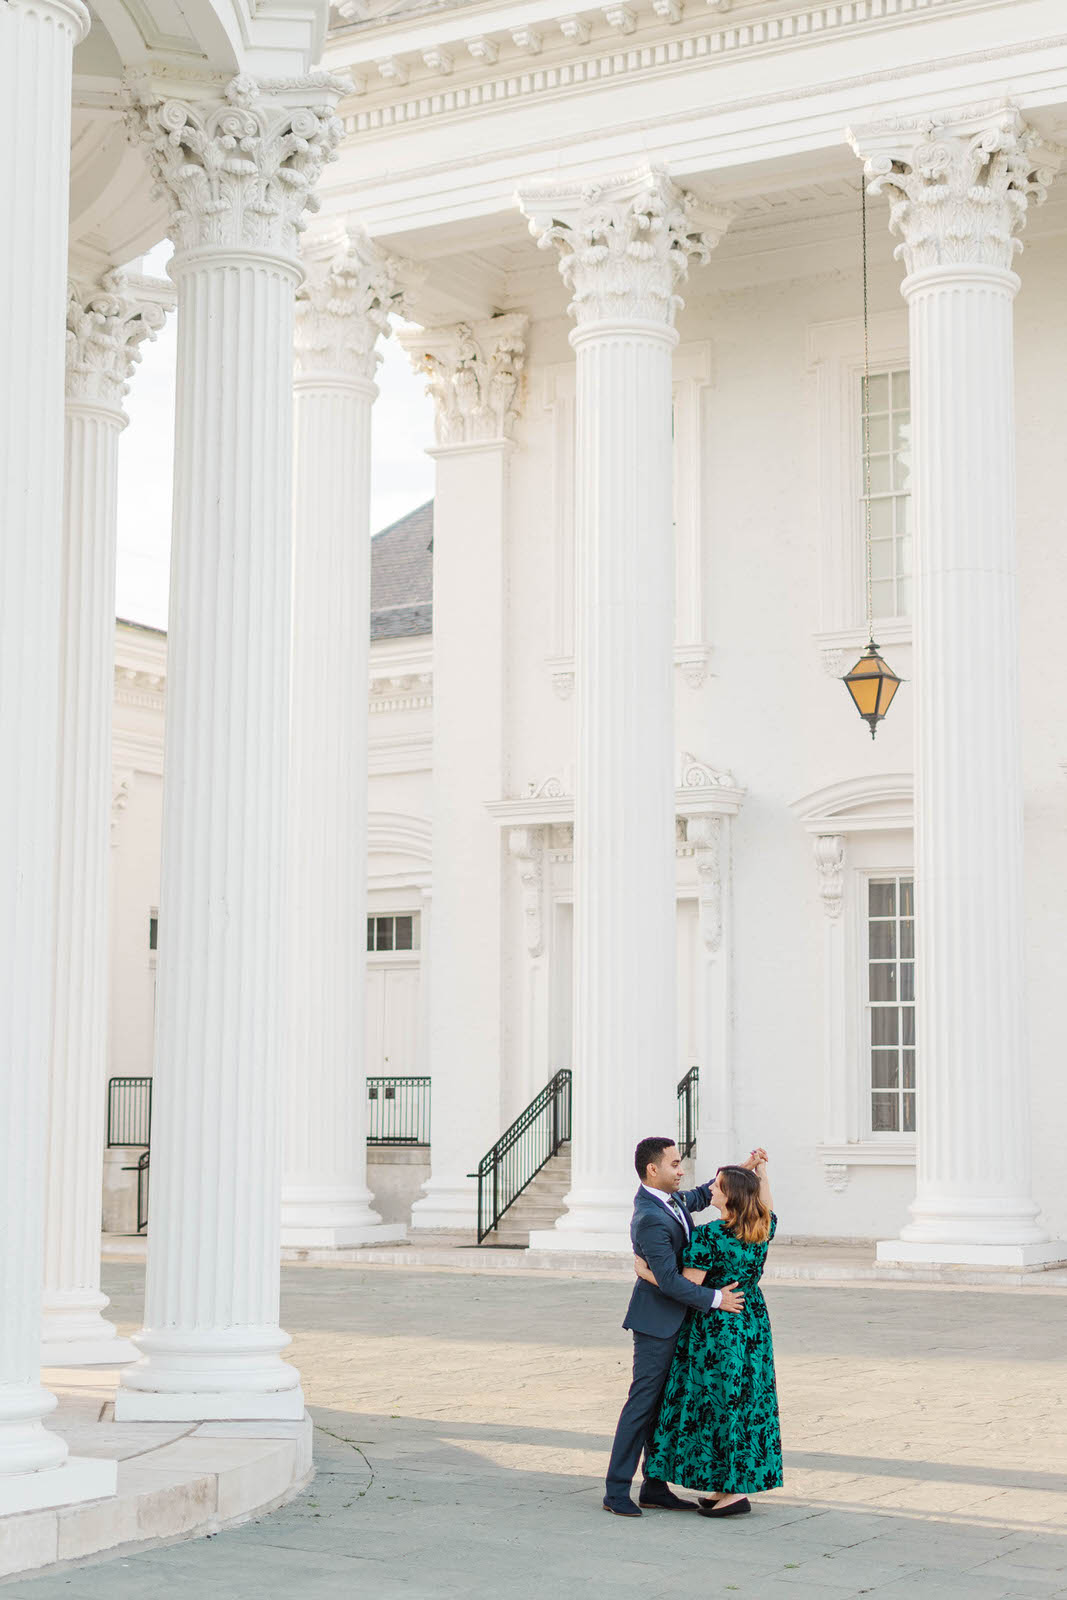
80,1478
596,1221
616,1243
341,1237
74,1334
448,1204
914,1252
210,1375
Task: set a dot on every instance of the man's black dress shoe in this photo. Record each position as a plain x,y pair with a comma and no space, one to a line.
664,1499
621,1508
736,1508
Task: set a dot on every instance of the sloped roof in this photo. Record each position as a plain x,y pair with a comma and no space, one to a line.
401,577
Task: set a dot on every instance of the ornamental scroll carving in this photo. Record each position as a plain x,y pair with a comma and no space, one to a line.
624,244
704,835
958,184
239,171
527,848
351,289
106,325
830,865
475,372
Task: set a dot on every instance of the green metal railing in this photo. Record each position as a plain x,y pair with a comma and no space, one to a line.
520,1153
688,1111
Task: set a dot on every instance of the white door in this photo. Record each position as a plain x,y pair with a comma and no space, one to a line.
392,1020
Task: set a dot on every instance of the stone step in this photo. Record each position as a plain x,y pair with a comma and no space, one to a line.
539,1206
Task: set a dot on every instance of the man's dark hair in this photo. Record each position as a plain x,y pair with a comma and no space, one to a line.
648,1152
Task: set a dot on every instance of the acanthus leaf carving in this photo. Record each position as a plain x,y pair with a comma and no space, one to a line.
475,372
351,289
106,326
624,244
239,171
704,835
527,847
830,866
959,184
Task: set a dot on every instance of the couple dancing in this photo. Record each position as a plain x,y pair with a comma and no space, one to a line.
702,1405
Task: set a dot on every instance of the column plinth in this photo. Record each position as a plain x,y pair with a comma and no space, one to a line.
211,1346
36,50
105,326
342,310
625,247
958,192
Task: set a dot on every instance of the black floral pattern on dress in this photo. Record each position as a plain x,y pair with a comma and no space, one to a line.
718,1426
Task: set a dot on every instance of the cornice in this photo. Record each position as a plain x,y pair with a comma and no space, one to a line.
644,38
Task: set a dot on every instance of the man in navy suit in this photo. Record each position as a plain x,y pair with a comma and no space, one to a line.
660,1231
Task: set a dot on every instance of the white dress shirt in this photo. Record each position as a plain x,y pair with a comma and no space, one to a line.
678,1211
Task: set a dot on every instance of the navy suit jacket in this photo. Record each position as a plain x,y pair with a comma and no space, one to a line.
658,1308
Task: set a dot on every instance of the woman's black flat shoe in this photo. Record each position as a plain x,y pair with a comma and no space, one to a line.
736,1508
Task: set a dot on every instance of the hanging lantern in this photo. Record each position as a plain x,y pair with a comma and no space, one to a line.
872,686
871,683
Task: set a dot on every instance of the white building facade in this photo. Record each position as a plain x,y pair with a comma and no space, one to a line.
614,814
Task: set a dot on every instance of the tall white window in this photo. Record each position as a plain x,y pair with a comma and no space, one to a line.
891,1003
886,408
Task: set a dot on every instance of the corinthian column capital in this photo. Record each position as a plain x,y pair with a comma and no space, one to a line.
959,184
239,170
106,325
351,288
625,244
475,372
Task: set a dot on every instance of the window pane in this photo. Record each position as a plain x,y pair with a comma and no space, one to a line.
883,980
907,897
907,1025
884,1025
908,1057
881,474
882,899
370,933
385,933
403,933
153,933
883,940
909,1113
885,1113
878,392
878,428
902,470
883,523
907,940
902,389
883,558
885,1067
907,980
902,432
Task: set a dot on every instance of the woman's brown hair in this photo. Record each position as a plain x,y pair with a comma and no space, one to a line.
746,1217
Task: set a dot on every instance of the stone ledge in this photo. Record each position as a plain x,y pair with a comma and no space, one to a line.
175,1480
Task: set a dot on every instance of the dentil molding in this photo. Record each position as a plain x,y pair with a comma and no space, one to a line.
239,169
352,287
624,244
475,372
958,183
106,325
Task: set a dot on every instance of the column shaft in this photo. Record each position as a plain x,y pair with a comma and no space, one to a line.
74,1332
36,48
211,1344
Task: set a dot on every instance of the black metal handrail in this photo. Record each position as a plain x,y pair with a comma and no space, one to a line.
129,1111
141,1170
688,1111
398,1110
520,1153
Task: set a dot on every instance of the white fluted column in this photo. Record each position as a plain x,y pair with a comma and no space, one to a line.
958,192
475,374
37,39
624,247
211,1345
344,306
105,325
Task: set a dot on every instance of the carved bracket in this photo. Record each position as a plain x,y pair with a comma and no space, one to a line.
830,865
527,849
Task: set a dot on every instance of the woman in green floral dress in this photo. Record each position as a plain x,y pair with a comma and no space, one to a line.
718,1426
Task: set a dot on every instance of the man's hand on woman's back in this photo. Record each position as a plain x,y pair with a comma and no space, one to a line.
732,1298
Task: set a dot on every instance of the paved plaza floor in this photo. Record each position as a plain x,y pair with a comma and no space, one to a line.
462,1425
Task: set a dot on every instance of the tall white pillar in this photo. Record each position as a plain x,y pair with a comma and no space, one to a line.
475,374
37,39
211,1345
959,189
624,248
105,325
351,288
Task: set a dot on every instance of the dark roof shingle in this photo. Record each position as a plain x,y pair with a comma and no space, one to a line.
401,577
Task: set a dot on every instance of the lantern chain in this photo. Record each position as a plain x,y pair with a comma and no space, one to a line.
868,539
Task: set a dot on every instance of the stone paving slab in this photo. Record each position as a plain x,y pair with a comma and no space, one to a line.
463,1420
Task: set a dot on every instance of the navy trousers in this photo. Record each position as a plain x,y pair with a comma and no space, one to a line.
637,1421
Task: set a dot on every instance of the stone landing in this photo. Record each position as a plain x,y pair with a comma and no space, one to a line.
174,1479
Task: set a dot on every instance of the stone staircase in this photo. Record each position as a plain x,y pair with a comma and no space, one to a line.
540,1203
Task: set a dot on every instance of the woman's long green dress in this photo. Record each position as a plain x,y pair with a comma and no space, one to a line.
718,1424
